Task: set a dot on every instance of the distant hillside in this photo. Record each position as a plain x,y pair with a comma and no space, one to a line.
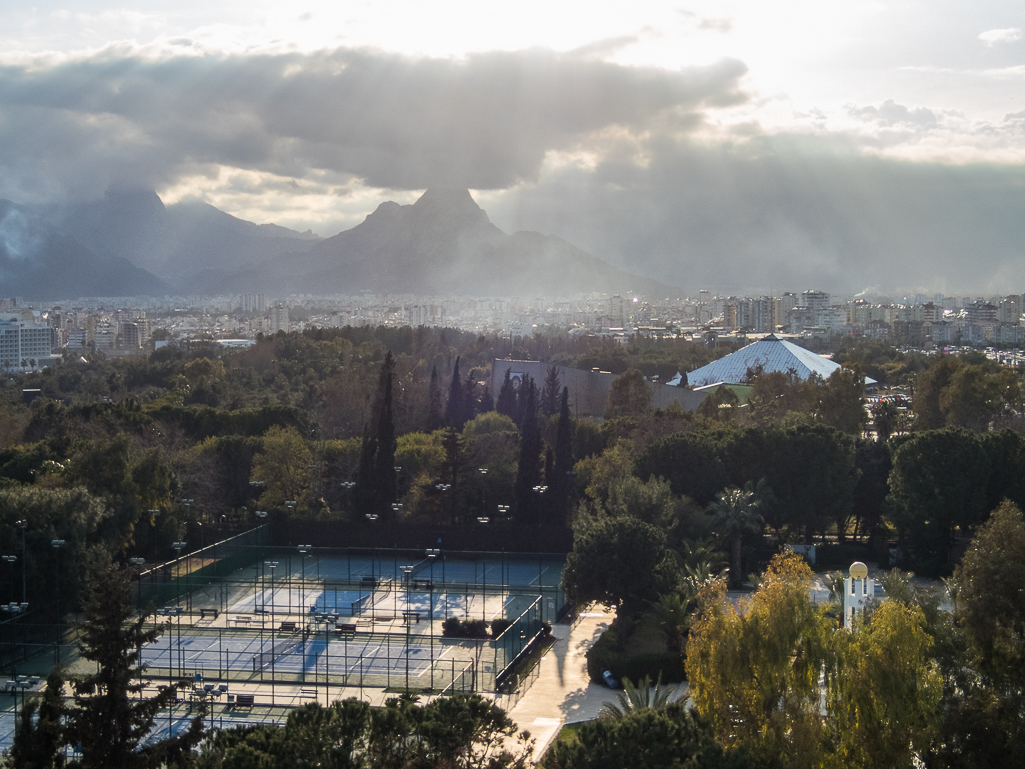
445,244
193,246
39,260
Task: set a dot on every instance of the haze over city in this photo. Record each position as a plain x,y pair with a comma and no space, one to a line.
738,147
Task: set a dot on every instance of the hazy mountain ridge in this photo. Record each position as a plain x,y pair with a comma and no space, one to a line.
444,243
129,243
192,245
39,260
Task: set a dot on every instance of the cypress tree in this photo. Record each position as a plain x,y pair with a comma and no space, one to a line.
384,463
506,403
363,496
469,396
452,442
550,392
560,485
522,395
528,472
435,418
487,403
456,407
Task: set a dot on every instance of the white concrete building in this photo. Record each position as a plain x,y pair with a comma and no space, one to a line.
24,341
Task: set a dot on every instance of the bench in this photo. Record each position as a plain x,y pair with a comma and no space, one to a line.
287,627
346,629
308,693
204,613
369,582
423,584
410,615
242,620
244,700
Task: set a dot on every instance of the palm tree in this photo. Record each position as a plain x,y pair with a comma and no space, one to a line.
884,416
670,614
735,512
632,698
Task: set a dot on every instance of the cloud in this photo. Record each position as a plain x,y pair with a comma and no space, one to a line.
785,212
890,113
486,121
993,36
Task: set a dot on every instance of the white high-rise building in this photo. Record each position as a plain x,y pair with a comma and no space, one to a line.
278,319
24,341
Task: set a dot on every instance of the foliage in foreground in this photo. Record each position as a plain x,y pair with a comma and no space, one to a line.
669,737
755,675
455,732
109,722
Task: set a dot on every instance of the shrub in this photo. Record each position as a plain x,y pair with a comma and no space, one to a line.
606,655
453,627
499,626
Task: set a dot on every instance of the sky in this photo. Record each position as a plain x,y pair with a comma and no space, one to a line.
739,146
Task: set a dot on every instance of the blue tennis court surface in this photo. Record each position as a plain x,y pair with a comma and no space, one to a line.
211,654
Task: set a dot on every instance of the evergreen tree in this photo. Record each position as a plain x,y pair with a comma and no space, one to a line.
384,468
435,417
452,442
528,472
560,484
364,496
523,394
456,407
486,403
110,720
506,403
469,396
375,489
550,392
38,742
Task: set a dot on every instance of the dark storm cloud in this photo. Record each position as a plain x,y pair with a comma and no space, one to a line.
778,214
398,122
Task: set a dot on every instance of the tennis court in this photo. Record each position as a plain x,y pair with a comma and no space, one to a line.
317,616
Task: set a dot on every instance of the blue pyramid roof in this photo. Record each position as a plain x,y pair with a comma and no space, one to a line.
772,354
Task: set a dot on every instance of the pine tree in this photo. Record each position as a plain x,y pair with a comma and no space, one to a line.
38,741
550,392
560,485
456,407
506,403
435,417
528,472
110,720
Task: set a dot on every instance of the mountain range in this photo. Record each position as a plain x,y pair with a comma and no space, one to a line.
130,243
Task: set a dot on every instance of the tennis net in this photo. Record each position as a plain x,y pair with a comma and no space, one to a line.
420,568
277,650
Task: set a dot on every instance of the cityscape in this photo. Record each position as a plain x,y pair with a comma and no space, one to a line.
462,385
131,326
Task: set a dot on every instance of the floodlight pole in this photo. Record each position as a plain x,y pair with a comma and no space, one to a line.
271,565
431,554
57,544
24,557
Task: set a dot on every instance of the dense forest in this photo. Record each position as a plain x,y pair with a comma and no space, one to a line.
124,456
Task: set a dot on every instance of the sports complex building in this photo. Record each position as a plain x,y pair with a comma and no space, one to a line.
257,628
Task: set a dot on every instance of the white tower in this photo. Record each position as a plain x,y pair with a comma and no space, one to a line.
856,592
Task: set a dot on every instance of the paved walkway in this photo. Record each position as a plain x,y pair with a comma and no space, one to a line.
563,693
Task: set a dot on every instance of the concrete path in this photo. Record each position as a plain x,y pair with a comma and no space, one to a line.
563,693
